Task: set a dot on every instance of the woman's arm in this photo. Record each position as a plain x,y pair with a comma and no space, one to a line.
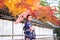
31,29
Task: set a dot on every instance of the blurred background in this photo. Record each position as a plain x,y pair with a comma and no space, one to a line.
47,24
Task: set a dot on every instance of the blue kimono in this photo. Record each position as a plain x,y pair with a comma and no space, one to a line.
27,32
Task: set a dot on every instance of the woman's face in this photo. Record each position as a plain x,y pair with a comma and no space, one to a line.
29,18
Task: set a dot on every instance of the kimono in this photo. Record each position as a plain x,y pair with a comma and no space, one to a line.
27,30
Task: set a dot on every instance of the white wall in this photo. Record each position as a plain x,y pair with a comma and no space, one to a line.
6,29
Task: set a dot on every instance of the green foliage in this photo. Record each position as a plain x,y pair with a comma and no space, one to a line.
44,3
57,31
59,8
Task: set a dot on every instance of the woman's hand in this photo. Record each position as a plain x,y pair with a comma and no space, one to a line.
31,29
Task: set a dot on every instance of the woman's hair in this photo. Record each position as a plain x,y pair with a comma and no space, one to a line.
28,16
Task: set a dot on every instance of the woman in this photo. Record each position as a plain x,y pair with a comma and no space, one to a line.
28,30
